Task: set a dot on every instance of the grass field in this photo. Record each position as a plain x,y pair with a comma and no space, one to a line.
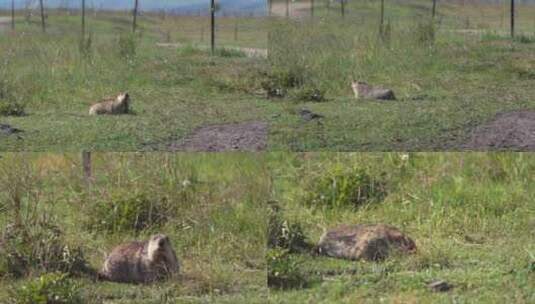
472,217
447,80
213,211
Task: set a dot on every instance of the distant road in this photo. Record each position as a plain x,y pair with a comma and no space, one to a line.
4,22
296,9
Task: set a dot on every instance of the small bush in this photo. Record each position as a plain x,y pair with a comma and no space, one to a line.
307,93
86,46
425,32
525,39
283,270
341,187
38,248
229,52
9,106
127,212
386,32
285,235
127,46
190,50
52,288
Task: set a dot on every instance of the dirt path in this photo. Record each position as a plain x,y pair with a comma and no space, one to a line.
249,136
249,52
508,131
296,9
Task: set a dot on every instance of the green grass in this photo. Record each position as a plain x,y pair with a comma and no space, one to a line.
471,215
218,232
445,86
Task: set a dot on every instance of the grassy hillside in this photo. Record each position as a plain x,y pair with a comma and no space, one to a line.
472,217
210,206
448,79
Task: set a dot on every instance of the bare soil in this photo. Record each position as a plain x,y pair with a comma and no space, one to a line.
249,136
508,131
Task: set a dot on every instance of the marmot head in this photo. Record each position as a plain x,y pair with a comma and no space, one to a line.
158,243
123,97
159,249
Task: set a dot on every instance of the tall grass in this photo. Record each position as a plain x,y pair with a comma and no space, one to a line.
216,225
331,53
471,216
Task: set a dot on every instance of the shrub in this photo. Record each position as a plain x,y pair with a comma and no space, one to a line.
283,270
229,52
425,32
284,235
525,39
85,46
52,288
9,106
36,248
342,187
127,212
308,93
127,46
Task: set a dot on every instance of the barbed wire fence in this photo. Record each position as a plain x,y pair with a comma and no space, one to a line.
503,15
235,25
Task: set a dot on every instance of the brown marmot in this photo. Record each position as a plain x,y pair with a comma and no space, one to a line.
112,106
368,242
362,90
141,262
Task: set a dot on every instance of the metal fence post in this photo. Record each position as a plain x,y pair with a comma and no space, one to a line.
83,20
212,26
134,21
12,15
43,25
512,18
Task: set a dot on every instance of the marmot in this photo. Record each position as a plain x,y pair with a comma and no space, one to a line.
141,262
112,106
368,242
362,90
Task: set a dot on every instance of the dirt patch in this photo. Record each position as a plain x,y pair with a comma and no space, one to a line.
250,136
4,23
508,131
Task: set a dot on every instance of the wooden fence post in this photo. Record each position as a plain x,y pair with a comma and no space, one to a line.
235,28
287,8
433,13
513,18
12,15
43,25
343,7
312,8
382,21
212,26
134,22
83,21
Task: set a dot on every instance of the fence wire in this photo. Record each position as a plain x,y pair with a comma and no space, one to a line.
450,14
239,22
